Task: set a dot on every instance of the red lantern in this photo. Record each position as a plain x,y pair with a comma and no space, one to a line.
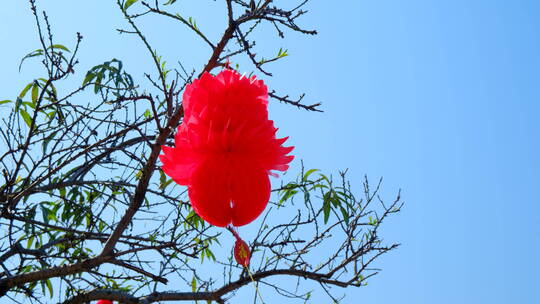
242,253
226,148
104,302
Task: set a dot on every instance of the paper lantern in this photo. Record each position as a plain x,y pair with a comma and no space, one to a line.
226,148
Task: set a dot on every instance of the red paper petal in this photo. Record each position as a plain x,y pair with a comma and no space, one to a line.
250,193
209,192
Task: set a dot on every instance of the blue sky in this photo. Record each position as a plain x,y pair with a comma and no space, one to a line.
441,98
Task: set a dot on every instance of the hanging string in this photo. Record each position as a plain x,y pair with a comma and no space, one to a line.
256,285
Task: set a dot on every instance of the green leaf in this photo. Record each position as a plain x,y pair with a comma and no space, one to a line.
25,90
49,287
138,174
282,53
35,53
193,284
59,46
168,182
326,210
170,2
210,254
97,86
147,113
88,218
88,78
308,173
5,101
335,199
30,241
51,115
62,192
26,117
129,3
288,194
35,93
101,226
162,178
193,220
325,178
31,105
45,213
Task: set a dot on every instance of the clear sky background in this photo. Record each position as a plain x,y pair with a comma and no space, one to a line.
441,98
